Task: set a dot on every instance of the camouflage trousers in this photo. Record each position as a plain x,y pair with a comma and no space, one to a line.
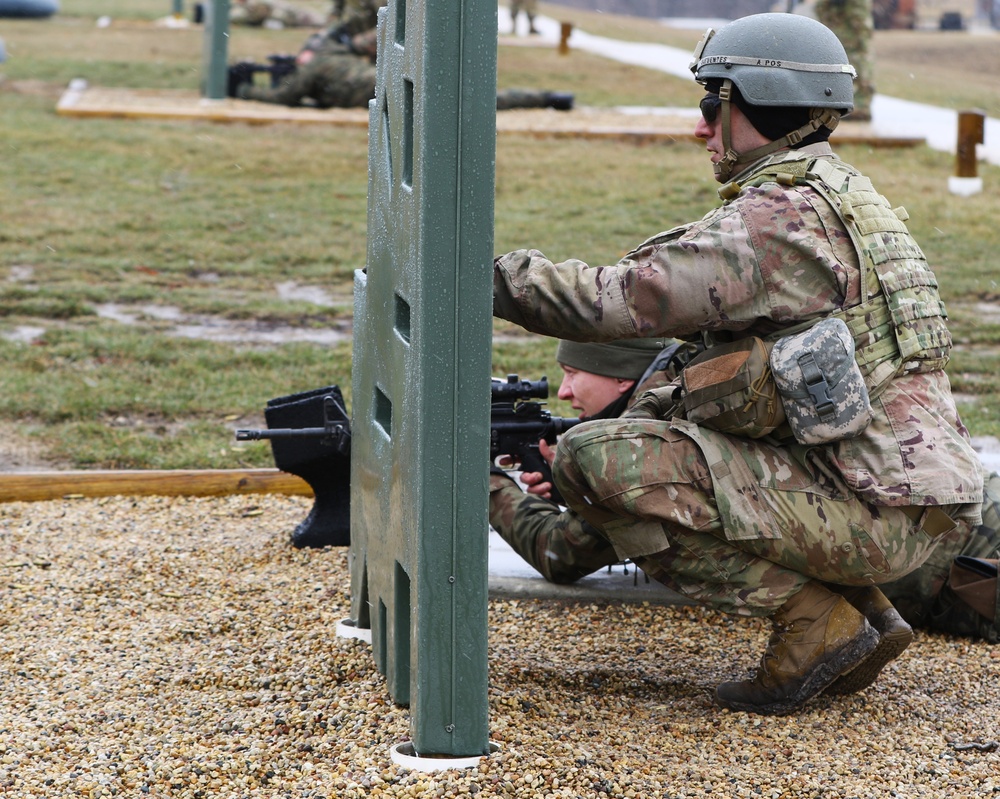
346,81
929,596
332,81
557,543
742,535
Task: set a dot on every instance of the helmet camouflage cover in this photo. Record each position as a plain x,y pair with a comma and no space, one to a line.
778,59
774,61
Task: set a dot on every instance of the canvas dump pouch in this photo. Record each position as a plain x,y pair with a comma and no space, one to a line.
821,387
967,604
974,581
729,388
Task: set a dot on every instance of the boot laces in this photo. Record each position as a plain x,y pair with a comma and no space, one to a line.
780,631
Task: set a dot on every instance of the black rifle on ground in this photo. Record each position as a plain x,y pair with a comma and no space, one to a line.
280,67
310,435
335,432
517,424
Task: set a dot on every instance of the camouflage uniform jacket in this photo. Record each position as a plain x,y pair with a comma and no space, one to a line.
257,12
772,257
335,78
559,543
360,16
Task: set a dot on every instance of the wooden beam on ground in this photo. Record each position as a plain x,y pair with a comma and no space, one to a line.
39,486
654,127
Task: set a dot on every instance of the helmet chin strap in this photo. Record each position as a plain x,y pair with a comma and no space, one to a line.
731,159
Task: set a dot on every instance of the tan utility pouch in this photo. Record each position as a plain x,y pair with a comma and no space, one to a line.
974,581
820,383
729,388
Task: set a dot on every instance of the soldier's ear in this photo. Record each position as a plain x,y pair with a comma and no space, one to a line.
624,385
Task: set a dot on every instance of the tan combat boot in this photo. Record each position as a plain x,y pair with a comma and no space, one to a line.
894,636
818,636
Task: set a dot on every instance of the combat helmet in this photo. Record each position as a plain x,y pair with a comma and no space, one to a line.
775,60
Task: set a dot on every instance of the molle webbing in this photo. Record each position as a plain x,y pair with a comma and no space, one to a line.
899,326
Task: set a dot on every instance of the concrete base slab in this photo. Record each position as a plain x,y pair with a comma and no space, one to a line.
511,578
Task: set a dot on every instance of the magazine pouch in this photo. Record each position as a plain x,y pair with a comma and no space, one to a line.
821,387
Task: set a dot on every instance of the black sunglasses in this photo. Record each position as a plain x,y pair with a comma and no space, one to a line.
709,106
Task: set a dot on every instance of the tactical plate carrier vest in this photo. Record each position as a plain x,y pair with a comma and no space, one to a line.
899,327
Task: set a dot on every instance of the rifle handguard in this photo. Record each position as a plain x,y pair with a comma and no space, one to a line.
657,403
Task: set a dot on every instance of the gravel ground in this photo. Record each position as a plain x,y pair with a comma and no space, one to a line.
171,647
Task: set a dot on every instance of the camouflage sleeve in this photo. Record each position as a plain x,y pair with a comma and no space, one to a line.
291,91
557,543
701,276
361,16
773,257
341,81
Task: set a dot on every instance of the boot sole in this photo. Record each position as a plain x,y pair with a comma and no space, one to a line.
890,647
851,657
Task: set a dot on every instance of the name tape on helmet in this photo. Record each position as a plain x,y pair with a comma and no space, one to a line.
773,63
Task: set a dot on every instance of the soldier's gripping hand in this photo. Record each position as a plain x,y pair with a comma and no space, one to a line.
657,403
539,483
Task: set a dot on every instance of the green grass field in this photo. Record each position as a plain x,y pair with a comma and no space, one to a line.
116,233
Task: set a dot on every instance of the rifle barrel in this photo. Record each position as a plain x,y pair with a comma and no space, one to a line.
285,432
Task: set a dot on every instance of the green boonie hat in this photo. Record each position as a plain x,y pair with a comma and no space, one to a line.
626,359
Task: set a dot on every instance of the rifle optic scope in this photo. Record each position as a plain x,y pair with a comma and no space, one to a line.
515,389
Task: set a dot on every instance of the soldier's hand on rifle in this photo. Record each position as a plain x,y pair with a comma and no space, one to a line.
535,482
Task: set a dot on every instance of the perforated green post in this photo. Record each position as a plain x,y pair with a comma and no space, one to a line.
420,393
215,49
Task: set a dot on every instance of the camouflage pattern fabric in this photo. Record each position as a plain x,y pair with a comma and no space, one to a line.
647,486
334,78
339,77
925,597
360,16
558,543
742,524
256,12
819,363
529,7
771,258
366,44
854,25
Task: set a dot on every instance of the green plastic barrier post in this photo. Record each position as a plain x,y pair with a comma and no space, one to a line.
421,373
215,49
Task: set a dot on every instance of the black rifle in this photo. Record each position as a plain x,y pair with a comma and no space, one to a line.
335,432
310,435
241,72
517,425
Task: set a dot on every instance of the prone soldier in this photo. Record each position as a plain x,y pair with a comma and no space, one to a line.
600,380
336,69
257,13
